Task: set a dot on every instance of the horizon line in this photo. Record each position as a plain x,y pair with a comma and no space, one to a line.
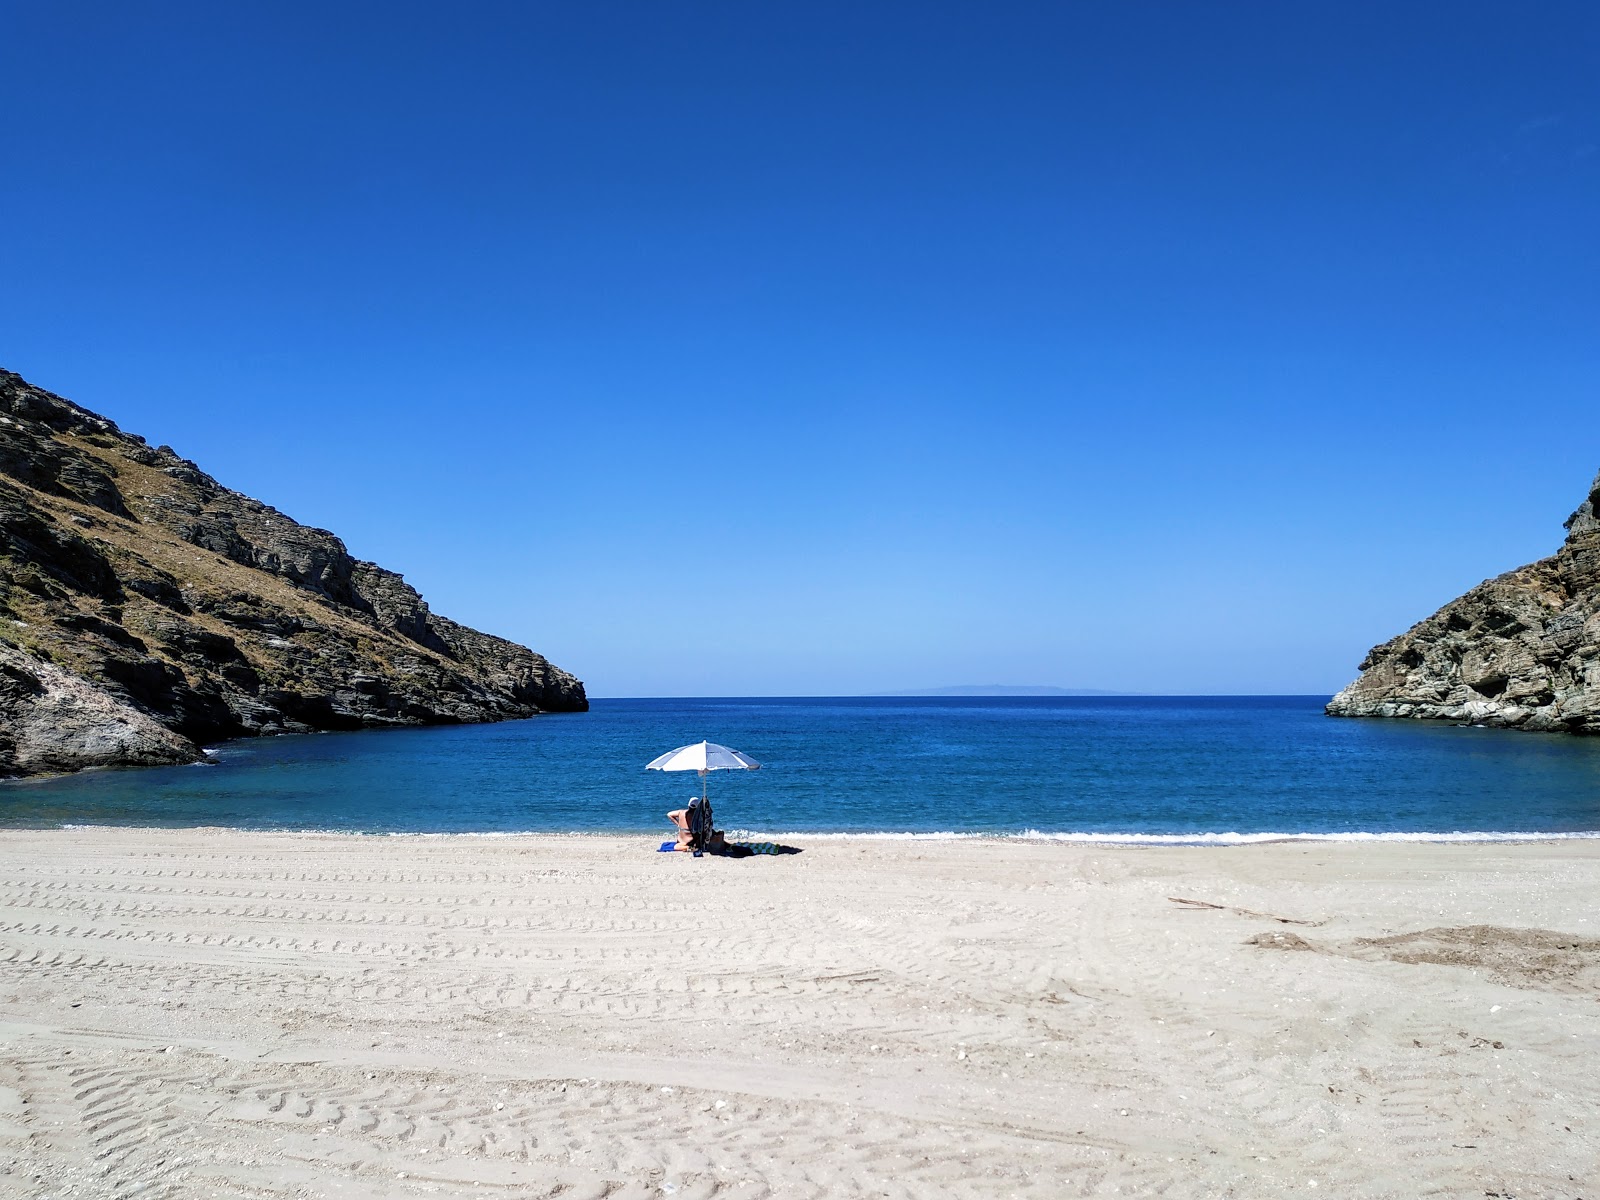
976,696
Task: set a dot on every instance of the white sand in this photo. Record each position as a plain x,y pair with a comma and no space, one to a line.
208,1013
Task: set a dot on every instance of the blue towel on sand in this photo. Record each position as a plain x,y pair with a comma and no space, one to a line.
736,849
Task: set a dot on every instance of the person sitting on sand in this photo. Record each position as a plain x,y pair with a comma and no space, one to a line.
680,817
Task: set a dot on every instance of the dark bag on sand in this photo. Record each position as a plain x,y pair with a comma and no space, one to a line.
700,826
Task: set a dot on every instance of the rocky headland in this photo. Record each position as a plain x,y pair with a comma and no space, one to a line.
1520,651
146,610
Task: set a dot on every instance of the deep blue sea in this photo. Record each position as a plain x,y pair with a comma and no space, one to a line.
1141,768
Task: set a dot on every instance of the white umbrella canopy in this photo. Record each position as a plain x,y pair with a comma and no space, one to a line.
702,757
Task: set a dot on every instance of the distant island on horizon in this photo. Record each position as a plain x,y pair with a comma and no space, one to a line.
1005,689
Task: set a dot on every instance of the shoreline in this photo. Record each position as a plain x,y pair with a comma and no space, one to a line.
204,1011
1219,840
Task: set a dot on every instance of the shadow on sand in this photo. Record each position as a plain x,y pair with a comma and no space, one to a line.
747,849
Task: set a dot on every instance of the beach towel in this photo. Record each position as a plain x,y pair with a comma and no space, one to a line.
738,849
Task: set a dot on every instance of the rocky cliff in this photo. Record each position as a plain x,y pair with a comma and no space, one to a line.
145,609
1520,651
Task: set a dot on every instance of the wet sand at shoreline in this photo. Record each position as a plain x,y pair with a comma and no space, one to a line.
208,1012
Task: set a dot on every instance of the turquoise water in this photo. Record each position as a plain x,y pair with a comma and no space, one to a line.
1184,768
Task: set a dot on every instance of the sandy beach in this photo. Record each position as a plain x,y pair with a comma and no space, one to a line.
212,1013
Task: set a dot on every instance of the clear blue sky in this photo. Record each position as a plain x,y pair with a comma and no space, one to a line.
824,348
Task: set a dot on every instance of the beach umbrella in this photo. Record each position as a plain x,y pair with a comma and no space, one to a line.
703,757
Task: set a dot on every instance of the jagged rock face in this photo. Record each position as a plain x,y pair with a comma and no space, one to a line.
1520,651
58,722
146,609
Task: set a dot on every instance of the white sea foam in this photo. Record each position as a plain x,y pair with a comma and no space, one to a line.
885,835
486,833
948,835
1203,839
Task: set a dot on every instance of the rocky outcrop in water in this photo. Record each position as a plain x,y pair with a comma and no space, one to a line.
145,610
1520,651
